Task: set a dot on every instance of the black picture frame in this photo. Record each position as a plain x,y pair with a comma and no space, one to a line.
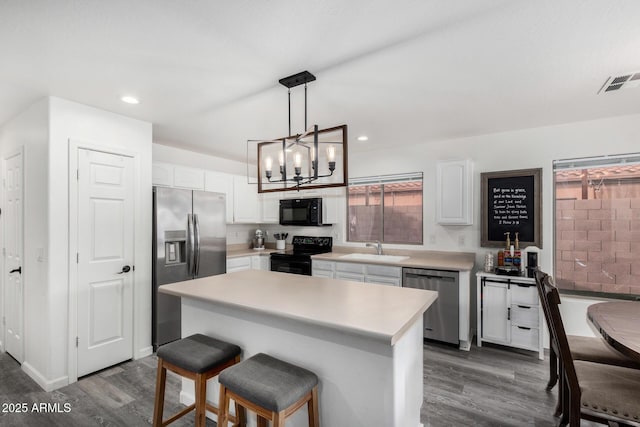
511,201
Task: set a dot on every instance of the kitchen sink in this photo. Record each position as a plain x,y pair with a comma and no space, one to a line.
374,257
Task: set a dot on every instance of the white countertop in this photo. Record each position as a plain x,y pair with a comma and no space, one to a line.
376,311
455,261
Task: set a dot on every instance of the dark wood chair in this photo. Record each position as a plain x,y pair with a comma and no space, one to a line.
590,349
592,391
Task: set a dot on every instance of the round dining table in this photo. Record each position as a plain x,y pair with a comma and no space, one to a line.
619,324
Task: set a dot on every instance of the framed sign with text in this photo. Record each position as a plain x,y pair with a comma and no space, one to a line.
511,203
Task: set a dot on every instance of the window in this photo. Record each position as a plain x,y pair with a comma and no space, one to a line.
386,208
597,225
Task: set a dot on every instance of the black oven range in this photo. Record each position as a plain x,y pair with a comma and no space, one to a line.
298,260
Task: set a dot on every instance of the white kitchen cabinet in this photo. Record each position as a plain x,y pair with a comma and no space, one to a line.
322,268
246,206
189,178
331,201
249,262
238,264
270,207
221,183
454,192
359,272
260,262
162,174
383,274
509,312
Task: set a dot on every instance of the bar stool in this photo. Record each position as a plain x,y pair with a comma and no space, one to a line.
271,388
197,357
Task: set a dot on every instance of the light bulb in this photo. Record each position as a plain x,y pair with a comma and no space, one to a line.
281,158
331,153
268,163
297,160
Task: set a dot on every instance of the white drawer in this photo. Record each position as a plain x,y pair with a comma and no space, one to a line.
239,262
523,294
384,270
350,267
383,280
524,337
524,315
355,277
322,265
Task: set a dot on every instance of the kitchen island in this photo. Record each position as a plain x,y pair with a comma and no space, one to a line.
364,341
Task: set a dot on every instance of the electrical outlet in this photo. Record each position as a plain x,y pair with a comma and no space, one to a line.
460,240
432,239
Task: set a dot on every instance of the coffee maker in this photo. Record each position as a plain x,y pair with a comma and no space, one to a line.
532,263
258,240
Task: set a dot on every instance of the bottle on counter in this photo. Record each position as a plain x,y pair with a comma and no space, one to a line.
517,255
500,258
508,254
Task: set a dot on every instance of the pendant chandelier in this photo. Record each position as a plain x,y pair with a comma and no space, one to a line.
307,160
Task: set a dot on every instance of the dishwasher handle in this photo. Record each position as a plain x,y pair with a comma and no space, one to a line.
430,274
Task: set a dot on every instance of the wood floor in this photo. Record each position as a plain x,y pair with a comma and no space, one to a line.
488,386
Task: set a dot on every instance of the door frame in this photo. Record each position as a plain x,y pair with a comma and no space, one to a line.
74,147
21,150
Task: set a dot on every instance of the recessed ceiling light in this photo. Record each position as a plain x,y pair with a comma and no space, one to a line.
363,138
130,100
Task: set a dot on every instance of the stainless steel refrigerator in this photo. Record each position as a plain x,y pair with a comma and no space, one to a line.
189,242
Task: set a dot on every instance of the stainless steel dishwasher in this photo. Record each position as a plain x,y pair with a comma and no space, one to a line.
441,318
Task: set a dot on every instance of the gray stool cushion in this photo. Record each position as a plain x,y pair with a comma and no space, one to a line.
198,353
268,382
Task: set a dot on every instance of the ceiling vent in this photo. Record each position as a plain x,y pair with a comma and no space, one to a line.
626,81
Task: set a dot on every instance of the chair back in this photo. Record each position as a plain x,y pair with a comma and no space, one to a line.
552,301
540,277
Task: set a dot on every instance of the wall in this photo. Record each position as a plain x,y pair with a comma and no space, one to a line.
177,156
30,130
77,122
528,148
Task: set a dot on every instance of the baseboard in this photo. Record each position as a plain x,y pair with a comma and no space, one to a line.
143,352
41,380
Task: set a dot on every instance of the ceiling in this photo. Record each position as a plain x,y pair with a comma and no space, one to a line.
401,72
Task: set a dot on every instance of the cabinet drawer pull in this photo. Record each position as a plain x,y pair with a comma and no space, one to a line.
523,306
523,285
524,327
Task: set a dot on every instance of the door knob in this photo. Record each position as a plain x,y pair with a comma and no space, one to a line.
125,269
16,270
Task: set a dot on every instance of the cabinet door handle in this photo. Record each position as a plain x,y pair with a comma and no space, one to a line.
524,327
523,306
522,285
508,313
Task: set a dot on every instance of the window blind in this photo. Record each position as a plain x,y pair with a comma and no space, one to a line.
596,162
386,179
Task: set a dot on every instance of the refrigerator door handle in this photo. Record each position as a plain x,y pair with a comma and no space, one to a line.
196,226
190,245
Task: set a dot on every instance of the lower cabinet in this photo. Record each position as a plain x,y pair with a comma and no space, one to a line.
357,272
509,312
249,262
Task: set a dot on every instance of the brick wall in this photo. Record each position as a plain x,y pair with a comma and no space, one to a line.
598,245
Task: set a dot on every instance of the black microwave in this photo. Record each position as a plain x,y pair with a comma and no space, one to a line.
301,211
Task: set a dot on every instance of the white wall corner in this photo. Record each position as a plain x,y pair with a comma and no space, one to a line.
143,352
42,381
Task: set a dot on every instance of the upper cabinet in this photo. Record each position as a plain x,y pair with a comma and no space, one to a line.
454,192
168,175
219,182
246,204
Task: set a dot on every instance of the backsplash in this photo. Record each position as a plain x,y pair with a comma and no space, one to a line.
244,233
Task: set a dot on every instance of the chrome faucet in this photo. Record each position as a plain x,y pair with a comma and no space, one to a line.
376,245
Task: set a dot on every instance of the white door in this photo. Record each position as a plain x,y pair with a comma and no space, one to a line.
13,292
105,260
496,325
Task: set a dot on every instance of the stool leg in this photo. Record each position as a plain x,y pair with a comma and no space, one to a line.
312,409
223,407
278,419
241,419
158,410
201,398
